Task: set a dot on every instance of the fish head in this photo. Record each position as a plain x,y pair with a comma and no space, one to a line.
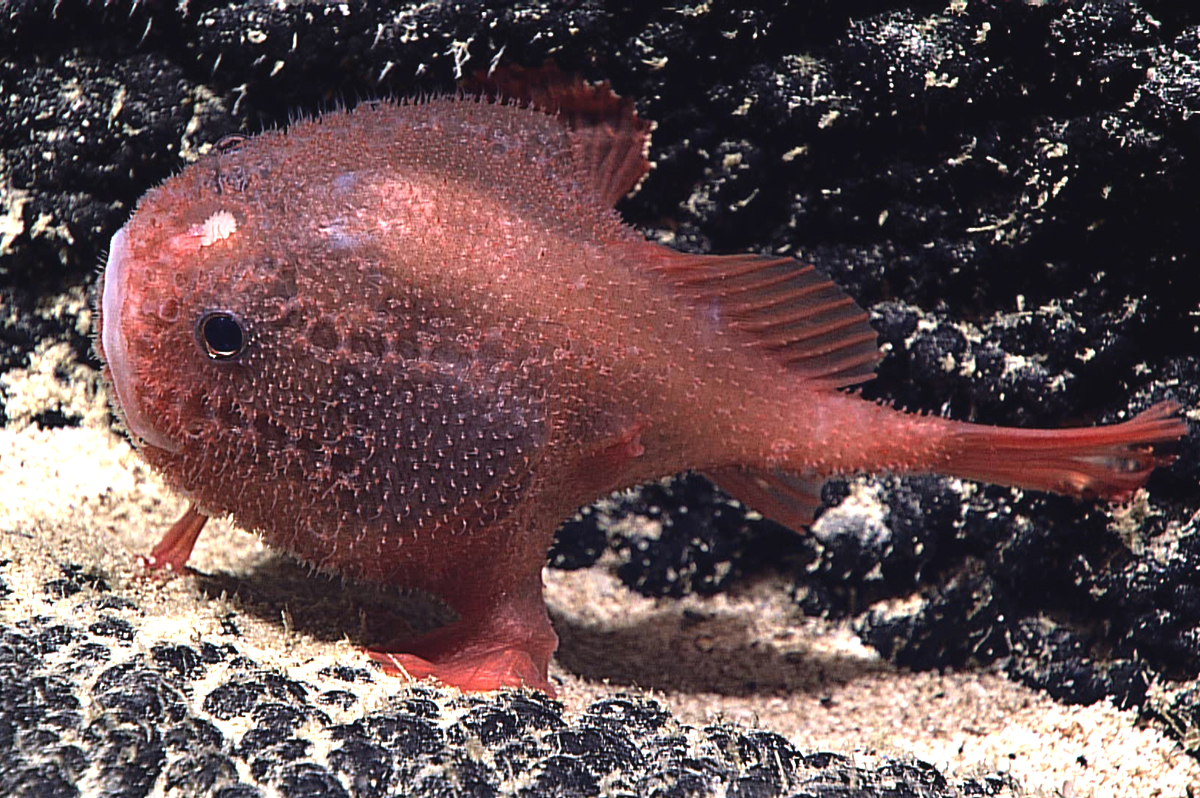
184,308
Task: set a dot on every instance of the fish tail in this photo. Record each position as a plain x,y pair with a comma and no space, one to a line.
1109,462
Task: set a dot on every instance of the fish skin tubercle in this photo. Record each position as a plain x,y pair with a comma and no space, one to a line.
403,342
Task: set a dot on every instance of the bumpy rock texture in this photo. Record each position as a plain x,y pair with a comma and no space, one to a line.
203,720
1009,187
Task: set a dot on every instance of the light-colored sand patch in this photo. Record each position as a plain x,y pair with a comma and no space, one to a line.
816,684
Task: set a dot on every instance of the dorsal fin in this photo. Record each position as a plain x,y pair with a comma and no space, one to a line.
608,140
781,306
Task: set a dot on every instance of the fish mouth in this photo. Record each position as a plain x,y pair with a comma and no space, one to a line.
115,350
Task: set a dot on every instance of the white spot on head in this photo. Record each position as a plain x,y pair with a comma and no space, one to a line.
218,227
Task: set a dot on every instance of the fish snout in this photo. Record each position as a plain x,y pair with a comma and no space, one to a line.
114,348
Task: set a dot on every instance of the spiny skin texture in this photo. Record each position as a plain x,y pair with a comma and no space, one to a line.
435,340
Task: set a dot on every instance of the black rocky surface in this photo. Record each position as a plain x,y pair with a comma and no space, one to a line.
84,712
1009,187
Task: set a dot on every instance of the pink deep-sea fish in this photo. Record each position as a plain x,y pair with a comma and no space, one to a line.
404,342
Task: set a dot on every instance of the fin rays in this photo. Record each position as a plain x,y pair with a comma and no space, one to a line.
783,307
609,141
784,497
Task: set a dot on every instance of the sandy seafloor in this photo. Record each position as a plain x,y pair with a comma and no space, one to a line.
81,496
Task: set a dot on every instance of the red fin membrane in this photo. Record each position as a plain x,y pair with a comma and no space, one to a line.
608,139
173,551
785,498
470,670
506,641
1103,462
782,306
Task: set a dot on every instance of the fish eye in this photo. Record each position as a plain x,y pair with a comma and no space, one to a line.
220,335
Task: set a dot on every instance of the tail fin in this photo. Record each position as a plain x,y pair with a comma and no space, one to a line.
1104,462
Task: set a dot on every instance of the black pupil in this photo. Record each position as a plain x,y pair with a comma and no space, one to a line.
222,336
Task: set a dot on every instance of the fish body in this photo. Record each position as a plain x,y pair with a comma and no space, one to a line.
404,342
